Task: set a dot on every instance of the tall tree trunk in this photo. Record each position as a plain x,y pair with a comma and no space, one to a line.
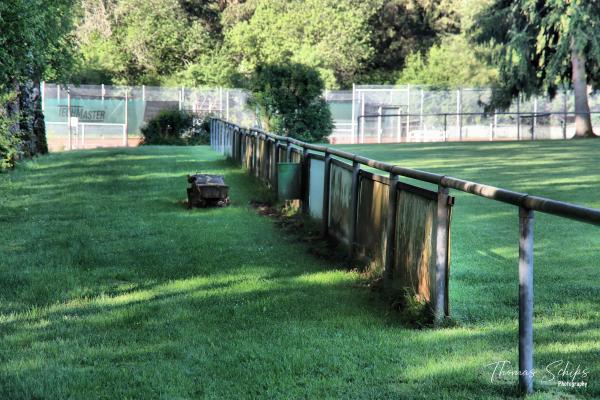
583,120
39,126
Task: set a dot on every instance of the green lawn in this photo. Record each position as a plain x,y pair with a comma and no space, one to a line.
110,288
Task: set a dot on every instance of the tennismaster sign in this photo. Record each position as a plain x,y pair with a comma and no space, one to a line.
81,113
90,111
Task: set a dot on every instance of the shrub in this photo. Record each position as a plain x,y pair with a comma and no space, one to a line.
9,142
290,97
174,127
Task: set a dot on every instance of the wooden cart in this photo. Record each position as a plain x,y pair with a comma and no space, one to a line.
207,190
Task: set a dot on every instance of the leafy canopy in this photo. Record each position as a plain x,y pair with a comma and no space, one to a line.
531,42
289,97
35,40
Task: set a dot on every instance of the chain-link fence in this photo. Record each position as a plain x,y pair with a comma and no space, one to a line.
89,116
385,114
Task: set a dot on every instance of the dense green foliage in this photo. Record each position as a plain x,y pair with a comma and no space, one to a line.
289,96
9,141
35,44
534,42
331,36
175,127
147,299
35,40
197,43
452,63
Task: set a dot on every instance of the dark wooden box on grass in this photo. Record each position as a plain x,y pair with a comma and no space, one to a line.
207,190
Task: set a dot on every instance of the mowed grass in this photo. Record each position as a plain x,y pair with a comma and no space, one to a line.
110,288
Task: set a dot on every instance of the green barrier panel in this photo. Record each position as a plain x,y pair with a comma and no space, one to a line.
315,188
288,181
339,202
340,110
90,111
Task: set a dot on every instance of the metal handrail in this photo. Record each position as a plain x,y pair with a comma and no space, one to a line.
221,139
542,204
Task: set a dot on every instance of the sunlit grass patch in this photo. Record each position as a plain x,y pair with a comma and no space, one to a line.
111,288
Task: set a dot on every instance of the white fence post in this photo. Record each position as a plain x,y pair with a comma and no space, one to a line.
181,95
459,113
221,102
421,110
534,122
227,105
518,117
379,123
43,94
125,126
69,119
565,110
399,127
407,110
353,123
364,120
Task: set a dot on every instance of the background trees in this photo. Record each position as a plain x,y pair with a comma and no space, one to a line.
35,44
289,98
195,42
541,47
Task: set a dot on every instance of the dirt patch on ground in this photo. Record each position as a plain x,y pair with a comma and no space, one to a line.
293,223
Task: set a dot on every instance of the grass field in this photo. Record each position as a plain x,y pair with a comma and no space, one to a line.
110,288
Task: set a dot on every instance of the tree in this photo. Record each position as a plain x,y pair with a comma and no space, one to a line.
35,44
331,36
542,46
451,64
290,98
402,27
144,41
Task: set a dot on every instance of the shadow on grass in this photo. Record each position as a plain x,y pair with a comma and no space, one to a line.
109,286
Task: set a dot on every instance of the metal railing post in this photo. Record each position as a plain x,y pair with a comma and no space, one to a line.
257,160
326,180
354,193
390,228
441,255
288,153
275,165
305,179
526,219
